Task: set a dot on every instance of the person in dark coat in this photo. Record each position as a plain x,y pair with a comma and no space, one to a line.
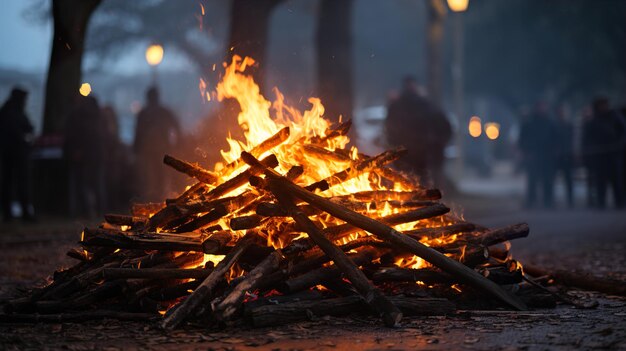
537,142
16,134
84,151
416,123
565,153
606,137
157,133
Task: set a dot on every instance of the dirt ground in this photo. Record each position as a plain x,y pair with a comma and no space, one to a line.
576,239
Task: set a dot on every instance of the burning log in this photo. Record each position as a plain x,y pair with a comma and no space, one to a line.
373,297
204,290
191,170
387,233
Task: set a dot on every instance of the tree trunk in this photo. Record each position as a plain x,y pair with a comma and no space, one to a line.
334,58
68,42
249,28
436,16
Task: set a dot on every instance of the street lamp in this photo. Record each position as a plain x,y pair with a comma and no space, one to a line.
458,5
154,56
457,81
492,130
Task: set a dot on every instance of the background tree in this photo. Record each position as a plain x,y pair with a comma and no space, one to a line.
70,19
334,58
568,50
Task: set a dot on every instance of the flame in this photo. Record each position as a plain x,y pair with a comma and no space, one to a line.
260,119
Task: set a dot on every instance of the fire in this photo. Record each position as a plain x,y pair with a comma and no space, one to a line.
260,119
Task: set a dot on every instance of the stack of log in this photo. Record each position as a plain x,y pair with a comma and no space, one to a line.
266,248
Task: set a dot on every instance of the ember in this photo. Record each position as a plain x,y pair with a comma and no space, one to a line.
293,223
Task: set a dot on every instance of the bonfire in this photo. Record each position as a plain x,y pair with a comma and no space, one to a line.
292,224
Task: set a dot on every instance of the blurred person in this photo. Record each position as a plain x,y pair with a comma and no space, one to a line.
116,162
418,124
157,133
16,134
84,150
538,135
565,152
587,158
606,137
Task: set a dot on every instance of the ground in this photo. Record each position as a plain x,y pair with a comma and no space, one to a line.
572,238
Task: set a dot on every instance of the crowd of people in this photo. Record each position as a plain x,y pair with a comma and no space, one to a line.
546,143
102,173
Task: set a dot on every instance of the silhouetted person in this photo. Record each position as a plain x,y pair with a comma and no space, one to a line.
606,136
537,142
587,158
116,162
157,133
418,124
84,151
16,134
565,153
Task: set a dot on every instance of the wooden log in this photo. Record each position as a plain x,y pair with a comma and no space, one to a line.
341,129
374,298
425,275
340,231
274,315
74,317
245,222
131,221
320,275
325,154
386,233
227,308
218,212
155,273
581,280
191,170
386,195
141,241
205,289
502,275
357,169
397,177
435,232
175,291
260,149
240,179
500,235
146,209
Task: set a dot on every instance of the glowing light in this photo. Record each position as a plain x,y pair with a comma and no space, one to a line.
154,54
492,130
458,5
85,89
475,127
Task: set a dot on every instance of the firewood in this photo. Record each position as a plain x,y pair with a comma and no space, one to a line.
155,273
240,179
245,222
425,275
320,275
357,169
218,212
340,231
131,221
385,195
374,298
260,149
581,280
274,315
384,232
204,290
435,232
191,170
500,235
146,209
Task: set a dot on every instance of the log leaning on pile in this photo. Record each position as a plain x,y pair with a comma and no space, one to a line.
384,232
